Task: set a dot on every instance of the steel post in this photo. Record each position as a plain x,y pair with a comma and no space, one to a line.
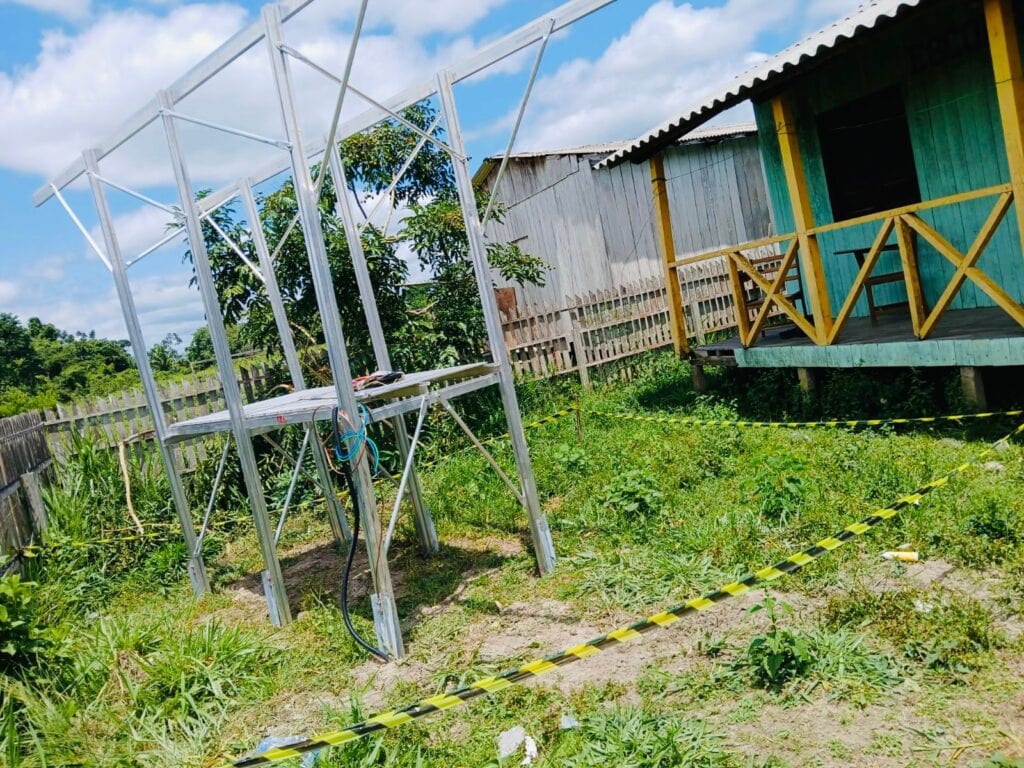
425,530
383,601
543,546
277,600
196,566
335,510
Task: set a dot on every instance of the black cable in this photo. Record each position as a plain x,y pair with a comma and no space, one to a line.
346,472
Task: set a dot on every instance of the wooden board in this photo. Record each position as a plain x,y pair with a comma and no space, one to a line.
974,337
318,404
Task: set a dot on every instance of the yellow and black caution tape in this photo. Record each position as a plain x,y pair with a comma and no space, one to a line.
832,423
662,620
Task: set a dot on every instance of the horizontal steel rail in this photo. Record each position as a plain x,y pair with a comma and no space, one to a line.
235,47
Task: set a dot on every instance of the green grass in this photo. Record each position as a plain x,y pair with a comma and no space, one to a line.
133,671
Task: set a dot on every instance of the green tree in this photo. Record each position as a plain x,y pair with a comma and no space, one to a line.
19,363
445,328
164,356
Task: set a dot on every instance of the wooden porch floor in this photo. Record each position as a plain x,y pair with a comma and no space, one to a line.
966,337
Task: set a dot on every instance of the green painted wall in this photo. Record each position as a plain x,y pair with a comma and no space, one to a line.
957,138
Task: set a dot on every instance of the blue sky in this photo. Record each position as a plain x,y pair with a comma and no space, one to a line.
71,70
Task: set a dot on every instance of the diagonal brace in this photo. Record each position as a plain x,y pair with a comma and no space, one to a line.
480,446
785,304
777,284
406,472
965,264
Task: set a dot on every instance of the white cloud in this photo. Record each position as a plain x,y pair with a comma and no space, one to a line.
822,11
670,57
73,10
165,304
136,231
81,86
9,291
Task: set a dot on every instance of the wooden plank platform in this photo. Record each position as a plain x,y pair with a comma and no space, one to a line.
966,337
317,404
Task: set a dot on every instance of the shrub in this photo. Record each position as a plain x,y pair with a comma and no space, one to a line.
632,738
634,495
573,459
779,656
22,638
943,631
779,487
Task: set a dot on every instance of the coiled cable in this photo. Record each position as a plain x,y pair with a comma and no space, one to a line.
347,446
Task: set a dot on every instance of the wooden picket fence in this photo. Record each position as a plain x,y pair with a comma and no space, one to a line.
24,460
604,330
124,418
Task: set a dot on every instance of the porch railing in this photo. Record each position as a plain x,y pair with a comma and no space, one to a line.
820,325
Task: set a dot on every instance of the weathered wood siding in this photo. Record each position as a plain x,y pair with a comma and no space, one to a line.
596,229
23,451
943,68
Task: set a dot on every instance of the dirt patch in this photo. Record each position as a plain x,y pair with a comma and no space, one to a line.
313,568
827,733
526,631
501,545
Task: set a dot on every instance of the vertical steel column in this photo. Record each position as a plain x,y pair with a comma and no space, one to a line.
545,550
273,582
425,530
335,511
196,566
384,609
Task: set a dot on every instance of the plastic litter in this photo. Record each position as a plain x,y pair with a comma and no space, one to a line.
902,556
514,739
309,760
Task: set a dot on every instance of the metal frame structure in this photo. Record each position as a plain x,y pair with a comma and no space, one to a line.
416,393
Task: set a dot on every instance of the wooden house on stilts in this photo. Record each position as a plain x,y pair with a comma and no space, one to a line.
893,147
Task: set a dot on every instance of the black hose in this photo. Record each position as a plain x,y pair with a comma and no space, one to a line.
346,472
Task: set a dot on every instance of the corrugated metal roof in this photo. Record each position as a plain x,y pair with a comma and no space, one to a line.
704,134
808,50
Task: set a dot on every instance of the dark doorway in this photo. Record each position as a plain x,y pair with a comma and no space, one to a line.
867,154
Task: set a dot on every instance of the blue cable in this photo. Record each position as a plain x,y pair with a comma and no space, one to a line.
347,444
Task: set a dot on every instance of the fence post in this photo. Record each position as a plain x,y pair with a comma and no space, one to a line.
34,496
247,384
581,356
696,322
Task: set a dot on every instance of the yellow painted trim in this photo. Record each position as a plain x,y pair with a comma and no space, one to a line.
777,285
739,301
858,284
740,262
981,242
911,272
1006,68
803,217
667,247
938,202
975,275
